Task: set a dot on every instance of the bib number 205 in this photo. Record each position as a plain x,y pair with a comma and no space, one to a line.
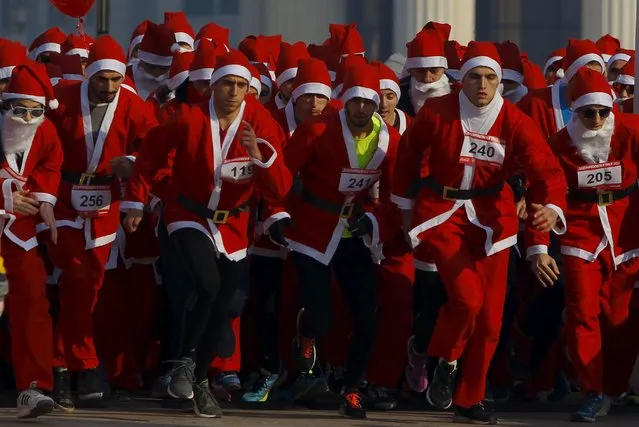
601,175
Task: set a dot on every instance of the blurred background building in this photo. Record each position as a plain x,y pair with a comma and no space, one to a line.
538,26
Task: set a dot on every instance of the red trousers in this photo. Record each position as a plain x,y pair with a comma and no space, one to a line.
124,319
81,279
588,289
233,363
470,322
28,306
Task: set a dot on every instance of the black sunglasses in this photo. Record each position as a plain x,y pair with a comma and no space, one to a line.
590,113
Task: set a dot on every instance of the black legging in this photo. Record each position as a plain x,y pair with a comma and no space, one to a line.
214,283
359,282
429,295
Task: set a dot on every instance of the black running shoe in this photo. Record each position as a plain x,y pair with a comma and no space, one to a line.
440,392
62,394
351,406
204,403
89,385
476,414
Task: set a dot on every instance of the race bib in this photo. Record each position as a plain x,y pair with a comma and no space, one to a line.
602,175
356,180
482,149
91,200
238,170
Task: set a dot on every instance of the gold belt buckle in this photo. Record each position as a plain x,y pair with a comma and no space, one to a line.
445,194
221,217
347,210
85,178
605,198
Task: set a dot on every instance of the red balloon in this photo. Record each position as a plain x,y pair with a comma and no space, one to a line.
73,8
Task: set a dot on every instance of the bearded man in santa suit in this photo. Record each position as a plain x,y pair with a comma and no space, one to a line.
459,149
99,126
598,153
155,54
29,174
227,151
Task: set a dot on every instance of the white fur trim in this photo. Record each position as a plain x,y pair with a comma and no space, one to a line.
45,197
594,98
581,61
267,164
5,72
559,229
551,61
129,88
454,74
46,47
286,75
104,65
535,250
513,75
315,88
333,75
126,206
55,80
84,53
390,84
135,42
201,74
273,219
480,61
618,57
360,92
41,99
426,62
233,69
78,77
54,104
266,81
184,38
606,57
177,80
153,59
257,85
625,79
402,202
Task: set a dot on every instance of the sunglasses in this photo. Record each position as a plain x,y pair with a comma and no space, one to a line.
590,113
22,111
618,87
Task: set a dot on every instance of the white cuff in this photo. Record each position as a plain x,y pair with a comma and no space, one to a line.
425,266
272,219
126,206
536,250
132,158
558,229
270,161
45,197
373,238
7,193
402,203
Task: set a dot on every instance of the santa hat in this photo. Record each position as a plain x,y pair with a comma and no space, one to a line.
607,46
54,71
212,31
49,41
454,53
620,55
578,54
345,39
204,56
348,62
533,76
426,50
481,54
179,70
441,28
30,81
555,56
264,49
158,45
75,45
138,35
179,24
328,55
265,76
387,78
627,74
105,55
11,55
312,77
588,87
361,81
511,61
290,55
232,63
71,66
255,82
129,85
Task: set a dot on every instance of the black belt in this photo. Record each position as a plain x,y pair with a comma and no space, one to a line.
86,178
603,198
344,211
452,194
217,216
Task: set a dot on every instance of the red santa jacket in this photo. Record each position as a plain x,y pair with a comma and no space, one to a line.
125,124
212,173
543,106
40,174
593,226
437,146
322,153
628,105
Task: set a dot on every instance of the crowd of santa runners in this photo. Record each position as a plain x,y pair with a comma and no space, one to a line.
184,218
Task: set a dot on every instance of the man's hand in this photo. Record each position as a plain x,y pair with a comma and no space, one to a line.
521,209
277,230
46,212
249,141
132,220
361,226
23,204
544,219
1,307
122,167
545,269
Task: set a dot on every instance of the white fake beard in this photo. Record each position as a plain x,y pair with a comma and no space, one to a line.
593,145
515,95
145,83
420,92
17,135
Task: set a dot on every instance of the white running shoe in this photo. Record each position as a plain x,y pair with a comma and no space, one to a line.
32,404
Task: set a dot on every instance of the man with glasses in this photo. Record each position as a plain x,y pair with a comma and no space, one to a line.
598,154
29,174
624,86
